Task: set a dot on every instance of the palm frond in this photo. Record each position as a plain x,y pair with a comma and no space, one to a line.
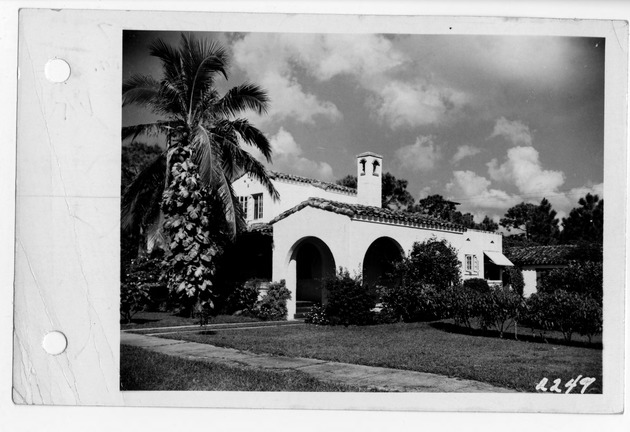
243,97
140,202
231,206
201,61
148,129
246,162
252,136
141,90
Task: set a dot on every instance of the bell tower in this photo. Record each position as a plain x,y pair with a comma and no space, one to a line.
369,178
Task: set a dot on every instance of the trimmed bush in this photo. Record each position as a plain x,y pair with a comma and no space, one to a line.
579,277
349,302
501,308
465,305
566,312
478,285
412,302
273,306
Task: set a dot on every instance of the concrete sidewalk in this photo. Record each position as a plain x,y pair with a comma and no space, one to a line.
383,379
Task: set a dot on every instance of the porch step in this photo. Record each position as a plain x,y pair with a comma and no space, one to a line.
302,308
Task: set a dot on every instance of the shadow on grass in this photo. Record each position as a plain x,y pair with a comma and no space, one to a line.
509,335
140,321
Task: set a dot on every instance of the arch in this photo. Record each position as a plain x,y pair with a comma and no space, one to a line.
380,258
314,262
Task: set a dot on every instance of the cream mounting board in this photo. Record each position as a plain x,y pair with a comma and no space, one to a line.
68,207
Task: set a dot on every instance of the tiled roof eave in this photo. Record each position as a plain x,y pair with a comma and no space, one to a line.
409,223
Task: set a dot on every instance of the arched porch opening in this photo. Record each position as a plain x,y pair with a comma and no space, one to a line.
380,259
314,263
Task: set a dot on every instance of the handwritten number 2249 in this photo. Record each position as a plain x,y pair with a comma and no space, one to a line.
570,385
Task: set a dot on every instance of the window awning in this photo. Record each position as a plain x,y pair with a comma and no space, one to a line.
498,258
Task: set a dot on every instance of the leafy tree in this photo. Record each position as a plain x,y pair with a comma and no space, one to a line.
585,223
436,206
204,155
487,224
537,223
432,262
348,181
394,193
585,278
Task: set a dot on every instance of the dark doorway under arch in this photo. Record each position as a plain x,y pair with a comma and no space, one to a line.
380,259
314,263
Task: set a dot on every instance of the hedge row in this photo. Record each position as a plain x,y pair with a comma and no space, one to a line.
468,304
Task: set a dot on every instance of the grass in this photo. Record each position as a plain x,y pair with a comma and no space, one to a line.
145,370
167,319
423,347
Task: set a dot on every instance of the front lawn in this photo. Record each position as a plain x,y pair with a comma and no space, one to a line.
143,320
144,370
421,347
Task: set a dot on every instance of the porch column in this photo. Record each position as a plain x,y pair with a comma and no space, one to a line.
291,281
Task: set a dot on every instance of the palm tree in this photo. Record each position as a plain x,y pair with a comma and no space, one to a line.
180,194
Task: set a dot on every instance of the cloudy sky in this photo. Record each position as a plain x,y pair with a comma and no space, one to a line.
487,121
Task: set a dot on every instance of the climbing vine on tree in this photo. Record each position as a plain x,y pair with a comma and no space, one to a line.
189,259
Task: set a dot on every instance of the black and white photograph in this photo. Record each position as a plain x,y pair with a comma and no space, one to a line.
283,215
362,212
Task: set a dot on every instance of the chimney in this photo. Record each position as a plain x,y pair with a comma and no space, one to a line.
369,179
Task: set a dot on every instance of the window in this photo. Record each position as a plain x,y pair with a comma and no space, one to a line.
258,206
472,264
243,202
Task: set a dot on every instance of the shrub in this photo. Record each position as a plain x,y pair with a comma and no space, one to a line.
243,298
317,316
412,302
273,306
349,302
465,305
501,308
589,319
515,279
579,277
133,298
432,262
478,285
566,312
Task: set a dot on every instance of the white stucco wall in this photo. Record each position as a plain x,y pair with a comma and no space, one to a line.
529,278
291,194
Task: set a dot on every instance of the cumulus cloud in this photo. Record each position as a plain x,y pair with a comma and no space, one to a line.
400,104
287,157
267,59
523,168
464,152
514,131
474,191
423,155
286,63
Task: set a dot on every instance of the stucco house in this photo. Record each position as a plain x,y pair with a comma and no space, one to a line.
317,227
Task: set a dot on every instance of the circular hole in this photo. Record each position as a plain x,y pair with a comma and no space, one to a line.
55,343
57,70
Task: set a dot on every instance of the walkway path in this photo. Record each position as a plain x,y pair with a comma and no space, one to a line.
383,379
